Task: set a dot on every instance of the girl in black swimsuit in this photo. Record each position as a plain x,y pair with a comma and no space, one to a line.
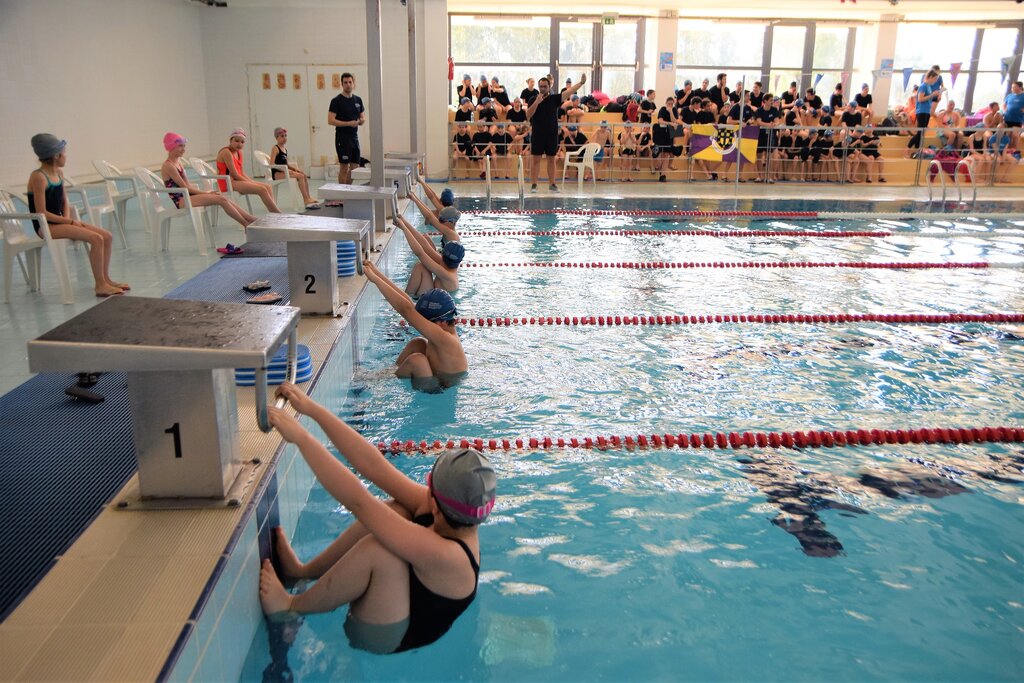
280,157
45,194
407,567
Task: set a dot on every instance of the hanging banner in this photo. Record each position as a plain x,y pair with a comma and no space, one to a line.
777,77
885,68
907,73
1004,66
845,80
817,79
954,71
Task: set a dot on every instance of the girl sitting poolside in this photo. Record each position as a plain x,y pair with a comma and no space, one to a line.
229,162
173,174
407,567
279,155
45,194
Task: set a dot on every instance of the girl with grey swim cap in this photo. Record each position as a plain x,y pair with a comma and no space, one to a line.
408,567
45,194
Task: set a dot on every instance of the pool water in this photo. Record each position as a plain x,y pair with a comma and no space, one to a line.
867,563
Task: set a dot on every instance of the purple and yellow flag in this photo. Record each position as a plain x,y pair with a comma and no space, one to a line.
724,143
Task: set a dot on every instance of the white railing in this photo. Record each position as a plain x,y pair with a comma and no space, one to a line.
969,172
487,175
520,178
935,166
935,169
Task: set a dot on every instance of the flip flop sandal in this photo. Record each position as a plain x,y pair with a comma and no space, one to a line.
230,249
312,206
268,298
257,286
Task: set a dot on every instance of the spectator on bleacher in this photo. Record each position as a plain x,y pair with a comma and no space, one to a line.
628,151
790,97
485,111
788,153
685,95
520,139
516,114
572,142
849,148
928,93
811,99
662,138
482,147
501,141
45,194
229,162
947,123
980,159
719,94
482,88
528,93
543,117
767,117
756,96
572,109
462,144
869,148
465,111
850,119
993,117
734,96
741,112
645,146
911,105
466,89
647,107
863,100
702,92
602,137
939,85
499,98
1003,146
1013,106
632,113
837,101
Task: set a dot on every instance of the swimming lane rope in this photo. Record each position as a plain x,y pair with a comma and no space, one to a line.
647,212
673,233
755,318
653,265
732,440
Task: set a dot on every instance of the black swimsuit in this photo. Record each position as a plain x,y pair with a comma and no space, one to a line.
280,160
54,199
430,614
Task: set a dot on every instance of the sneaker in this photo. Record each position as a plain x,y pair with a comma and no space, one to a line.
553,187
662,179
533,188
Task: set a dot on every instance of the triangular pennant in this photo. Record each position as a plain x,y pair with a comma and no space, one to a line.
875,75
907,73
845,80
817,79
954,71
1004,66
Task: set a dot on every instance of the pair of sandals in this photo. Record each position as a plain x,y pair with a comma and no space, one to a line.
260,286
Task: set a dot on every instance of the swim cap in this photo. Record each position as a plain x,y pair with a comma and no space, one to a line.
448,214
465,76
687,82
463,483
172,140
464,100
47,146
437,305
279,131
237,133
485,100
452,254
447,197
572,127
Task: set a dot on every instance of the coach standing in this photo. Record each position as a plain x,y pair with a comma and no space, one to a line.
543,117
346,113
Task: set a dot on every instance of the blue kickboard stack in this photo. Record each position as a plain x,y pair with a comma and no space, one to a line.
346,259
277,371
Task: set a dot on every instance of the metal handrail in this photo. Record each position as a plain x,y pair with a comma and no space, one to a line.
487,175
262,418
970,177
934,164
520,178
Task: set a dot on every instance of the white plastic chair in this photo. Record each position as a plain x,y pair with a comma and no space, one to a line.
208,173
18,240
84,197
161,210
122,187
263,161
582,159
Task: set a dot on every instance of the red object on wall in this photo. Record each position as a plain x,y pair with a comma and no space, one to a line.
451,68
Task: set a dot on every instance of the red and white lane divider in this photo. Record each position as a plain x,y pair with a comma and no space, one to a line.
647,212
673,233
654,265
755,318
723,441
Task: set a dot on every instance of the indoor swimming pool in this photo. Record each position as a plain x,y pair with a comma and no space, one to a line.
624,561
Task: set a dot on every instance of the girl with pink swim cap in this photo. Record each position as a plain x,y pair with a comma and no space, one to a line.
229,162
173,174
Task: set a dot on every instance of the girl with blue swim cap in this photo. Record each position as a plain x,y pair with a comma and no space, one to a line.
434,269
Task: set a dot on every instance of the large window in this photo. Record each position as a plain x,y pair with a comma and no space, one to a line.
719,45
919,46
990,87
514,49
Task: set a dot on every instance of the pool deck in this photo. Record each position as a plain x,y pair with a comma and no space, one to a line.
117,602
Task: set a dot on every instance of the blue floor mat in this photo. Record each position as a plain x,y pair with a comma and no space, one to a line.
223,280
62,461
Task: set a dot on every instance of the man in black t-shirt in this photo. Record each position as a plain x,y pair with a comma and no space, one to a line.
346,113
702,92
663,130
543,116
837,101
789,98
851,118
812,100
648,107
864,100
719,93
756,95
766,117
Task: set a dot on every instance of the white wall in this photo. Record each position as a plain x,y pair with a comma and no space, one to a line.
110,76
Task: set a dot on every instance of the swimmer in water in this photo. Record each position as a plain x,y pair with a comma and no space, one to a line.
434,269
443,220
407,567
435,361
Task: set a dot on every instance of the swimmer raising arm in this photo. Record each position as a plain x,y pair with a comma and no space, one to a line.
448,231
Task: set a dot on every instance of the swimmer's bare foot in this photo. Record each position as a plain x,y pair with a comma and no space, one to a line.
287,560
122,285
104,292
273,597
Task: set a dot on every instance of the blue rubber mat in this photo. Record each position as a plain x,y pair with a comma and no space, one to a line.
223,280
62,461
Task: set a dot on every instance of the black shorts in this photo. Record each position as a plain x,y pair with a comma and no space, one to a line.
873,153
541,144
348,150
627,152
1013,124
